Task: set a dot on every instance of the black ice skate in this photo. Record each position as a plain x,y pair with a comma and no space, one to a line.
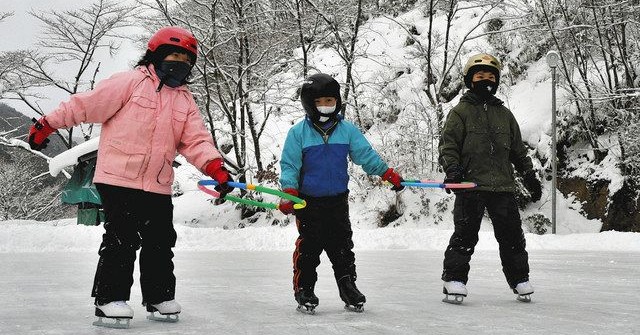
524,291
354,300
307,301
168,311
454,291
116,314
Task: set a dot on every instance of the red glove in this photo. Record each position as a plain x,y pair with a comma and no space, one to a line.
38,134
286,206
219,173
394,178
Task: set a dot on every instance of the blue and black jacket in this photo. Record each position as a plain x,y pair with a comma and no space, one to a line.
314,161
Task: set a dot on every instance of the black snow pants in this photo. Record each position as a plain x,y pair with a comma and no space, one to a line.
134,219
323,225
467,214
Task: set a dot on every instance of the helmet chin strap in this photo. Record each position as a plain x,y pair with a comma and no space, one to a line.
162,80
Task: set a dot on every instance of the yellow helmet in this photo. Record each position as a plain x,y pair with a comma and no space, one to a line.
479,62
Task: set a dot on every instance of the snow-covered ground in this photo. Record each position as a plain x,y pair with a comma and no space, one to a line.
249,292
238,281
66,236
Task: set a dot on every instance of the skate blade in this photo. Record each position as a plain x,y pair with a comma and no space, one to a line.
524,297
120,323
455,299
163,317
359,308
307,309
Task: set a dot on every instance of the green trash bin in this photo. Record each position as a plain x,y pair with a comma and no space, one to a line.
81,191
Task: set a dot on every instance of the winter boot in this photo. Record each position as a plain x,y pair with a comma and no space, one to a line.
307,300
454,291
354,300
168,311
117,314
524,291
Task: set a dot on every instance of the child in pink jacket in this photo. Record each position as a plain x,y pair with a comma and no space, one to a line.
148,116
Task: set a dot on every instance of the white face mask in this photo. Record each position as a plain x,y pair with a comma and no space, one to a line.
326,109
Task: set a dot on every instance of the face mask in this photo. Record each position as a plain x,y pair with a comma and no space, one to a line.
173,73
326,109
484,88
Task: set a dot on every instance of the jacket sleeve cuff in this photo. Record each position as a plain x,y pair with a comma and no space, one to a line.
291,191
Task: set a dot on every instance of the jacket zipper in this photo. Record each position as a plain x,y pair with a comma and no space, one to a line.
492,148
325,134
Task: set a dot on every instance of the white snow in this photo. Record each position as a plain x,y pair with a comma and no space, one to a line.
70,157
66,236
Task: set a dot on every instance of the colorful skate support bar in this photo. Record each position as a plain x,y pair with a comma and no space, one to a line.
298,203
437,184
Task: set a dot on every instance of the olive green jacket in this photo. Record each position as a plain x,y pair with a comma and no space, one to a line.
484,138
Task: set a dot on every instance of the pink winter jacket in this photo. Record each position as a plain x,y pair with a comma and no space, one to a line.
141,129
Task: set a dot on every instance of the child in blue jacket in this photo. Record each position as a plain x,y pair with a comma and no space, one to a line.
314,167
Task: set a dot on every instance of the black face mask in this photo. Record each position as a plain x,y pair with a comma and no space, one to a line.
484,88
173,73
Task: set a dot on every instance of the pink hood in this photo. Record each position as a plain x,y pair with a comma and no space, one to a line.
142,130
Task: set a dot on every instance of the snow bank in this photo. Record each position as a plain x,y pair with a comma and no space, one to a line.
70,157
65,235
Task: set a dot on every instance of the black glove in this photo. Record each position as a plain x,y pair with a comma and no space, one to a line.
216,170
224,188
454,175
532,184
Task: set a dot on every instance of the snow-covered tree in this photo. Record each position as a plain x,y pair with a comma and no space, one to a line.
69,37
240,44
27,196
599,56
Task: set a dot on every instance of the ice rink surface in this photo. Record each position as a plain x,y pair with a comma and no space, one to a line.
250,292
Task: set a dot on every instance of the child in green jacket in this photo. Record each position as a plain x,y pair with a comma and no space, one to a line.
481,142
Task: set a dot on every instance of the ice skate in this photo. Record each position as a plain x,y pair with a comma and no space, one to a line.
353,299
116,314
454,291
524,291
167,311
307,301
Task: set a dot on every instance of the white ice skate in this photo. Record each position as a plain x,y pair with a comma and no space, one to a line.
168,311
117,314
524,291
454,291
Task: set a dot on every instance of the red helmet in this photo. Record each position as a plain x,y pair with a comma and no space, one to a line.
174,36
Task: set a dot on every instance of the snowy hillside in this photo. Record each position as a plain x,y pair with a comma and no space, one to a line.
389,82
389,86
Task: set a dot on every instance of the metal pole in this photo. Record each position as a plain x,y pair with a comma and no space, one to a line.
553,150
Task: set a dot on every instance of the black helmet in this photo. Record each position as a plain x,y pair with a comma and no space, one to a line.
316,86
